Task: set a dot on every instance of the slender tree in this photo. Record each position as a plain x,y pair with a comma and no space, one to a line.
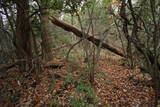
45,34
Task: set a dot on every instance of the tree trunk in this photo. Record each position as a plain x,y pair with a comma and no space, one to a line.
157,91
130,54
156,81
23,42
45,35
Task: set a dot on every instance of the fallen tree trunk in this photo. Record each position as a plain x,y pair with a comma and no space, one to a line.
87,36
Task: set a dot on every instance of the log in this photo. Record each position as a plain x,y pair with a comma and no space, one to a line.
5,67
80,34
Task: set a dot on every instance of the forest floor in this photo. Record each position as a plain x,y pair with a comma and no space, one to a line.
68,86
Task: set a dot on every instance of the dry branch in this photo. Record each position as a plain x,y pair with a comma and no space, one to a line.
81,34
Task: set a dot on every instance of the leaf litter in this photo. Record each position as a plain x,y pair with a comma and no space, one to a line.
113,86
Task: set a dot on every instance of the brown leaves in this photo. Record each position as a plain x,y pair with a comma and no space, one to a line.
120,91
113,86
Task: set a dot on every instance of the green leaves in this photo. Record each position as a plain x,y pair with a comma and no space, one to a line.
53,4
83,88
56,4
72,6
106,3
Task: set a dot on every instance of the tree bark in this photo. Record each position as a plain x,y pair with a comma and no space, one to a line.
23,42
87,36
45,35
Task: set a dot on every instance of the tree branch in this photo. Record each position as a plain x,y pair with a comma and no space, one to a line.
81,34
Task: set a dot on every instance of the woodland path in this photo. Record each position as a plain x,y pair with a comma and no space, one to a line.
113,86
